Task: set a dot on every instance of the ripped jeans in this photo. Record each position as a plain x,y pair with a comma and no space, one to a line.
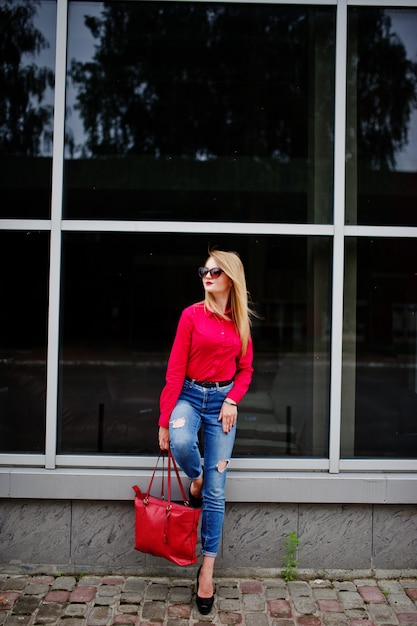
198,406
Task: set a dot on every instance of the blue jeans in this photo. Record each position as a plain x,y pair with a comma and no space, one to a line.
198,406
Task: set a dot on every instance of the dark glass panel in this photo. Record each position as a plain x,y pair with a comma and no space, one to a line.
27,66
122,297
24,260
380,348
381,147
187,111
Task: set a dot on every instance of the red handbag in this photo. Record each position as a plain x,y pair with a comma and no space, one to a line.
165,528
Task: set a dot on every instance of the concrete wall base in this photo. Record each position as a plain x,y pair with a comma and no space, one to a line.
74,537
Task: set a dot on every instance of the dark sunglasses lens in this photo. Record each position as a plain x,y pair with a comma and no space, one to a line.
214,273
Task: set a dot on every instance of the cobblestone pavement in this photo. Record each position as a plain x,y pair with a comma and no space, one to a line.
27,600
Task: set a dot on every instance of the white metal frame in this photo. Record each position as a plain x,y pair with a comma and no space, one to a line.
292,479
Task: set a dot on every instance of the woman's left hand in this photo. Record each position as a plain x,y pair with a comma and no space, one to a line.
228,416
163,436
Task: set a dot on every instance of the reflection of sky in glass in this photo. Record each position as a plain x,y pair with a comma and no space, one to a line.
404,24
81,48
45,22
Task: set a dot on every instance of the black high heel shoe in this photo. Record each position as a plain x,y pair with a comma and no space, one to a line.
196,503
204,605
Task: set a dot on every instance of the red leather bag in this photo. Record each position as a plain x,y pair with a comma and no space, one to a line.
165,528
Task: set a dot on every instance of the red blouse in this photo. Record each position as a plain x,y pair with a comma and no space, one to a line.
206,348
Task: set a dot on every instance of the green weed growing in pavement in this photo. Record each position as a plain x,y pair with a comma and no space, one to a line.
289,560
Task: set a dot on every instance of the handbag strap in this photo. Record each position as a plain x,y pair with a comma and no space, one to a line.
170,459
184,497
153,476
163,477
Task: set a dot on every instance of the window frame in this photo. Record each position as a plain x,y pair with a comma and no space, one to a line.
296,479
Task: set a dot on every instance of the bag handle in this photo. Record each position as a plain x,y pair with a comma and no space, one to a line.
170,458
184,497
153,476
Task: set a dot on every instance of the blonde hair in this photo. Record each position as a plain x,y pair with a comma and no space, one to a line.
232,266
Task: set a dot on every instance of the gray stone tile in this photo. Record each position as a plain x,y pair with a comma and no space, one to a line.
351,600
253,534
395,536
35,531
332,534
109,539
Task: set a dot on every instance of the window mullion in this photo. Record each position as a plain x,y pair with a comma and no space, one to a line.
338,242
55,244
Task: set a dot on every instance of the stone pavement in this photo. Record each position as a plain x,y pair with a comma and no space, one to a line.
91,600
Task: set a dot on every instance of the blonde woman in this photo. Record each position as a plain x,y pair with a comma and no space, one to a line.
209,372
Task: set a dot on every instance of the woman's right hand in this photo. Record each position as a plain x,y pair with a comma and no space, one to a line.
164,438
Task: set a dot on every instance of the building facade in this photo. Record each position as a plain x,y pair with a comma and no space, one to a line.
136,135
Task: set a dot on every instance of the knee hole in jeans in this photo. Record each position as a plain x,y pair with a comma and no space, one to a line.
179,422
222,465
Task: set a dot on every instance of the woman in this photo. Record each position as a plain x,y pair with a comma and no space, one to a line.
209,372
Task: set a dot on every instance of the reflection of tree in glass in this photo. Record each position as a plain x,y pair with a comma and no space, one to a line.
200,80
386,89
24,121
210,80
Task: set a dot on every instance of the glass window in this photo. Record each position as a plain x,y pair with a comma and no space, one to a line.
380,349
201,112
381,143
24,260
122,297
27,62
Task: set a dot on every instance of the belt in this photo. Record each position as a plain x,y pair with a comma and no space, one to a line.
222,383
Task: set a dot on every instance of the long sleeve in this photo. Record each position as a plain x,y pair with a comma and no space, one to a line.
243,377
177,367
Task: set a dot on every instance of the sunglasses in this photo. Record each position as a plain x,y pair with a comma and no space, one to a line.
214,272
